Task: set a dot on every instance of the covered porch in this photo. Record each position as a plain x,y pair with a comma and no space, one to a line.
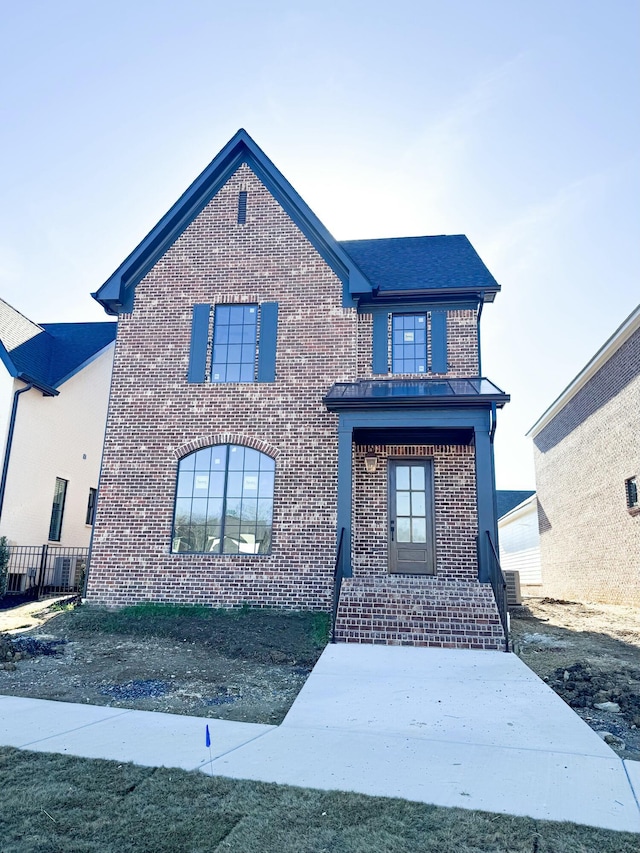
416,513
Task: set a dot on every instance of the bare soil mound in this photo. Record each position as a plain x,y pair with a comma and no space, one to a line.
590,655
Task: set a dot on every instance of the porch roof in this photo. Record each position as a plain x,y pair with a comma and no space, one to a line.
399,393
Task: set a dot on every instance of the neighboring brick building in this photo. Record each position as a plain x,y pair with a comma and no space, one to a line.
587,460
275,393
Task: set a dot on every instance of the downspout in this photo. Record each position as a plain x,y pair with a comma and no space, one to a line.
492,432
480,307
7,450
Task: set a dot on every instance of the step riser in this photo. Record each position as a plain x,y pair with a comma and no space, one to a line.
419,612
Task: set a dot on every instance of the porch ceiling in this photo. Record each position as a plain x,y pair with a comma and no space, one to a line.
411,435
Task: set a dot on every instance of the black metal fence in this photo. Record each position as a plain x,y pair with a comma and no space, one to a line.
40,570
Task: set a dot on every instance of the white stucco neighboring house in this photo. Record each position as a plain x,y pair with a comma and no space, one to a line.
54,392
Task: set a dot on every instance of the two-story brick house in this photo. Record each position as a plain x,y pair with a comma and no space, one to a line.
277,393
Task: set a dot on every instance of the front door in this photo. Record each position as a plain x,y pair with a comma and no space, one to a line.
411,527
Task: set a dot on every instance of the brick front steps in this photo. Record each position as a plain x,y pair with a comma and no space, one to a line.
419,611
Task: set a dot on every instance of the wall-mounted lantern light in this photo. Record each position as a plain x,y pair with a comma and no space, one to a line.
371,463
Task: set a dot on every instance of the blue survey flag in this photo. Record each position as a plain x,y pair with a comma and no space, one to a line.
207,737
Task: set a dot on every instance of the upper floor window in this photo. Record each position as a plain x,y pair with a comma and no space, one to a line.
410,343
224,501
57,509
240,345
235,331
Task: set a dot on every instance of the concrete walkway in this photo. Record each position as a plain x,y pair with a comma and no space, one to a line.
453,728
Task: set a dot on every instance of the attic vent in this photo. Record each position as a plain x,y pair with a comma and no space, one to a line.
514,595
631,490
242,207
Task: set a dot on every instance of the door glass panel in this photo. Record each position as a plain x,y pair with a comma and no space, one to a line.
403,503
403,532
417,477
418,530
402,477
417,503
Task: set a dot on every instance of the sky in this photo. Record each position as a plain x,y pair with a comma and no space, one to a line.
515,122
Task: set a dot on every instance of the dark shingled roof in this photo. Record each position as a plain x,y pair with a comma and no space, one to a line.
421,263
508,500
49,353
72,344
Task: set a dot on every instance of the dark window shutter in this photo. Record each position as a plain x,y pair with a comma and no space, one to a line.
199,343
268,341
439,342
380,360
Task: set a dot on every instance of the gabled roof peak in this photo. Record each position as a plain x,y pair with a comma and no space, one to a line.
116,294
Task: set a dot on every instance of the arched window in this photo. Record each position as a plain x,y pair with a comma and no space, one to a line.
224,501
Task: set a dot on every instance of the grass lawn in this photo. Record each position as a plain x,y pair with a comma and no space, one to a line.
58,804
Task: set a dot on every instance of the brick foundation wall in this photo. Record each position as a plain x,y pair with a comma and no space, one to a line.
589,543
155,415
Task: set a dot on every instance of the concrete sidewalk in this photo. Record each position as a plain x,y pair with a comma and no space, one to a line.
452,728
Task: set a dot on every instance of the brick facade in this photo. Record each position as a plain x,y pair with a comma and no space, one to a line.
155,414
589,542
462,349
156,417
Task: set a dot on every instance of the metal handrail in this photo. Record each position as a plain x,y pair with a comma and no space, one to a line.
338,574
499,586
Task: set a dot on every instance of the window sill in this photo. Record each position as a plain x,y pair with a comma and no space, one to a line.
633,510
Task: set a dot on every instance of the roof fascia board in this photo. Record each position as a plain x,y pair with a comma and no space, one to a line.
368,403
84,364
482,294
519,510
113,294
617,339
415,304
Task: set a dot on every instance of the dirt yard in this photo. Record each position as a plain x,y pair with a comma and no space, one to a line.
244,665
250,665
590,655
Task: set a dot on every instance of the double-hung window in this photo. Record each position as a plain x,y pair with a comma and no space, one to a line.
233,342
410,343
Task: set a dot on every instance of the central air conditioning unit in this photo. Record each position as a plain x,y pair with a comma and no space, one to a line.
67,571
514,596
